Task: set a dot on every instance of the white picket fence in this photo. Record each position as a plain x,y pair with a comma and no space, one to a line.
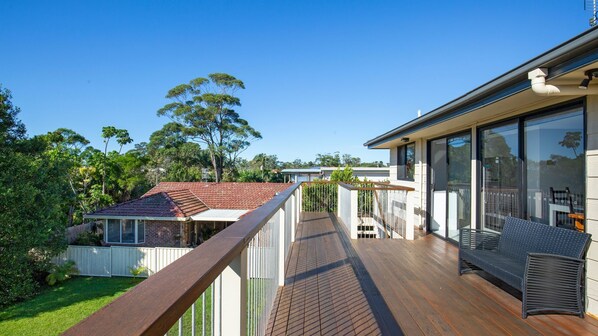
118,260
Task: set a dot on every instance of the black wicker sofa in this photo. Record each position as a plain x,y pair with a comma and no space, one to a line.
544,262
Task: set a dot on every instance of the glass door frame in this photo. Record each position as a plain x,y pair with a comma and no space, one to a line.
429,184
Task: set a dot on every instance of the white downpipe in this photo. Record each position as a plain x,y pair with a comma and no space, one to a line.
539,86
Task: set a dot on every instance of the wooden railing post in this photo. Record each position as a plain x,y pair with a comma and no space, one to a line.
354,217
230,298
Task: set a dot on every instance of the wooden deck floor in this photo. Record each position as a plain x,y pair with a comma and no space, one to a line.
369,287
322,294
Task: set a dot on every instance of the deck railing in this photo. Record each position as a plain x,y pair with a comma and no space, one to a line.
376,210
225,286
320,196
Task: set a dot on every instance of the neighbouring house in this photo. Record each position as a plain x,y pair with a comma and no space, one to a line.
525,144
376,174
181,214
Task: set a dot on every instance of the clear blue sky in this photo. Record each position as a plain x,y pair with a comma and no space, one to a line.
321,75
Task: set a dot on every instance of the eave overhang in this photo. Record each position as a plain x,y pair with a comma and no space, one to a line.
567,57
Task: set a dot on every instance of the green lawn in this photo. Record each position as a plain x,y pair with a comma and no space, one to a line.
58,308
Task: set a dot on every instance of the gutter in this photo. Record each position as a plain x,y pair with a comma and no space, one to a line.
170,219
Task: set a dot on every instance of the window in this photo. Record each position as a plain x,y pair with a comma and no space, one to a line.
112,233
554,157
127,231
525,160
140,231
406,162
501,174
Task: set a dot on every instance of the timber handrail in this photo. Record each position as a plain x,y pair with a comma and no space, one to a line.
156,304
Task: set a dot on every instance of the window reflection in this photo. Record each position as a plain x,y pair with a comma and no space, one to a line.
555,159
500,175
552,189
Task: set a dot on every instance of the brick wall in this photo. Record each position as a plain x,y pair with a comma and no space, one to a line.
163,234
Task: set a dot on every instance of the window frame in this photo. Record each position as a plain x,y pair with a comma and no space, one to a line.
520,120
137,240
402,171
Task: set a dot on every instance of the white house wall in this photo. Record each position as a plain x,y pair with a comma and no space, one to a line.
418,183
592,202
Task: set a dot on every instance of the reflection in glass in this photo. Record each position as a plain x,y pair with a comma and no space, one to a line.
459,184
410,161
406,162
500,175
113,230
128,230
554,159
140,231
438,186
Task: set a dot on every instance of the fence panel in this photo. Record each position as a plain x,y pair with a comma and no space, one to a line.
118,260
125,258
90,260
166,255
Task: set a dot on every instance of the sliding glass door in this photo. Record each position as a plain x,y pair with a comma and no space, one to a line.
500,175
555,168
459,184
450,187
438,186
534,168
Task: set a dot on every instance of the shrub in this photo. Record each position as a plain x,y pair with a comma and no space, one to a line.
137,271
60,273
88,238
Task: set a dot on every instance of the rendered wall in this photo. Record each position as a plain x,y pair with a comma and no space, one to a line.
592,203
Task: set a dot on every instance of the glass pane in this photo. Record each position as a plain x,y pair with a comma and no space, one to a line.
555,160
459,184
500,175
128,230
401,162
410,161
438,186
140,231
113,231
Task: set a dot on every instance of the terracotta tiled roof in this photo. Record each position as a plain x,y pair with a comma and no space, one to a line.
226,195
184,199
175,203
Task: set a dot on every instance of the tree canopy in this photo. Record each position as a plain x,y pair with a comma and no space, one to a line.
32,194
204,111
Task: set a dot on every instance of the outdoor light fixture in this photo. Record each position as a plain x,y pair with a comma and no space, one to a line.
404,139
589,75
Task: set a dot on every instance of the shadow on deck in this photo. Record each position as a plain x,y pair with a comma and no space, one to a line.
391,287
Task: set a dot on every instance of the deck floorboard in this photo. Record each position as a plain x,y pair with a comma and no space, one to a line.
337,286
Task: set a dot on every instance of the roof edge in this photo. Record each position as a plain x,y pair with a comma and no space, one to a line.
178,219
508,79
